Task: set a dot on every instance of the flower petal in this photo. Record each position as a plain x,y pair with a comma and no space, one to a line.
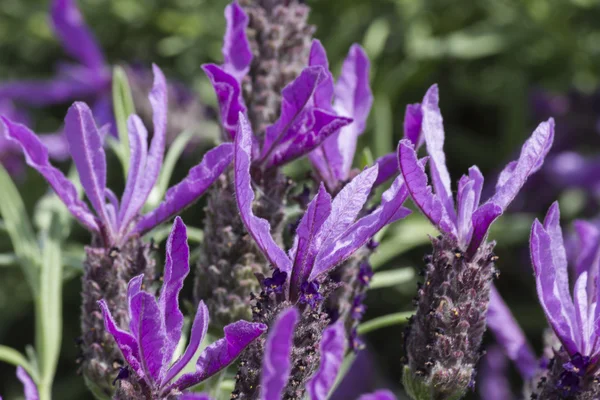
332,349
414,175
259,228
36,156
323,96
152,336
229,96
177,267
580,300
186,192
413,122
482,220
378,395
305,250
127,343
588,245
86,148
493,376
277,364
199,329
509,335
364,229
221,353
59,89
29,387
76,37
388,167
433,132
531,159
237,54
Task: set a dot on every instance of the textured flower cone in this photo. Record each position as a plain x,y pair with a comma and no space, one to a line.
444,338
226,272
280,38
128,389
106,274
560,384
305,353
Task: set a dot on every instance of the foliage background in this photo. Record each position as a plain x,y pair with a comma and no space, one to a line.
488,56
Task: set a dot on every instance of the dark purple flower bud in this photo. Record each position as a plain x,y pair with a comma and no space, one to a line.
358,308
309,294
365,273
275,284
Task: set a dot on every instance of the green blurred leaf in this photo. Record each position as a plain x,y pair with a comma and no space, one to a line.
49,304
375,37
123,107
394,277
382,322
8,260
19,229
14,357
161,233
384,125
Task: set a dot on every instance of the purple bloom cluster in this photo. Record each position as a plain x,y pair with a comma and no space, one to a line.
155,329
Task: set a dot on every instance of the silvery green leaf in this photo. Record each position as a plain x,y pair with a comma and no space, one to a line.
392,278
14,357
123,107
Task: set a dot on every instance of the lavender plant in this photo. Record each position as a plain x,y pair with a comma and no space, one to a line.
117,252
444,339
326,236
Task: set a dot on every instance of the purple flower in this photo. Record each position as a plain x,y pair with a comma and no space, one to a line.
116,221
305,120
493,376
469,222
378,395
328,233
29,388
574,319
277,366
156,327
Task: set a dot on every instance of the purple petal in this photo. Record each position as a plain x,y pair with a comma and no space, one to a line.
53,91
364,229
152,337
138,154
482,220
305,250
199,329
388,167
332,349
186,192
259,228
433,132
36,156
416,182
194,396
588,245
76,37
323,96
177,267
277,364
237,54
493,376
57,145
465,203
509,335
221,353
531,159
29,387
581,303
295,97
378,395
413,121
86,148
229,96
126,342
134,287
323,168
347,205
555,307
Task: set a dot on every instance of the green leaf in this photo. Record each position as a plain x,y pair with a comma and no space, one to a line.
49,304
19,229
383,140
412,232
123,108
161,233
376,36
394,277
382,322
14,357
175,150
8,260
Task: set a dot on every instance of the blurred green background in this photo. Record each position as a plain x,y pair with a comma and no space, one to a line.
488,56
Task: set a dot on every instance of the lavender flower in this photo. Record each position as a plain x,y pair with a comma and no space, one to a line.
117,253
494,383
277,361
378,395
574,319
326,236
300,123
155,330
29,387
444,340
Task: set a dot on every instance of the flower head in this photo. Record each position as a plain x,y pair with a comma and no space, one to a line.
116,221
304,121
156,328
277,360
327,233
469,222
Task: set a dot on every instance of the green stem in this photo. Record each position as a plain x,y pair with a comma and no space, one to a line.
45,390
386,320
